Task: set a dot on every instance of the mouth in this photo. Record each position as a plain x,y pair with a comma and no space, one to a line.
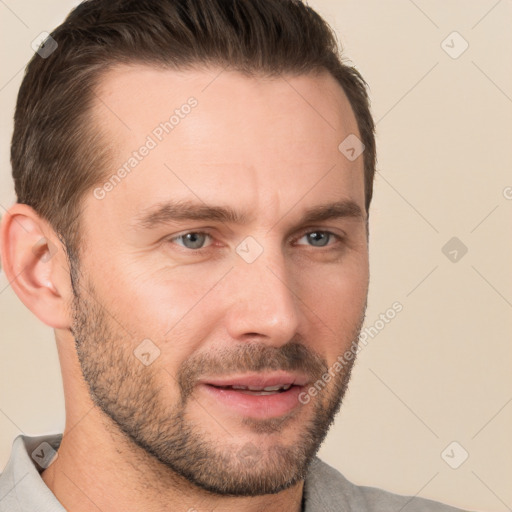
256,395
257,391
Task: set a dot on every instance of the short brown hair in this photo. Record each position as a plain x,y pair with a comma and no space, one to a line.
56,154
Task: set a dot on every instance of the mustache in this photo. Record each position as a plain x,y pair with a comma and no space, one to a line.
250,357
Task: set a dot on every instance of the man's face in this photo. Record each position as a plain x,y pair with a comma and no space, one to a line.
179,313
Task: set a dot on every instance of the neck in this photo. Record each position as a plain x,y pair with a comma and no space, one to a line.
100,469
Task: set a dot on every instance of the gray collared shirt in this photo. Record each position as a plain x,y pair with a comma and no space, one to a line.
325,490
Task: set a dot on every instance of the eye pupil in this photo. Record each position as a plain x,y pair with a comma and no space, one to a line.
193,240
318,238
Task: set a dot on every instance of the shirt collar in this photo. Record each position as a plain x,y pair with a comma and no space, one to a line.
21,478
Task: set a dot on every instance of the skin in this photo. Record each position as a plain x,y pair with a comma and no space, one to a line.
267,148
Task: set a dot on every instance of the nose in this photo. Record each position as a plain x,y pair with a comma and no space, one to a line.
263,305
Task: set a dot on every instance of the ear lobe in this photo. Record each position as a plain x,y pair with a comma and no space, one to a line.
34,262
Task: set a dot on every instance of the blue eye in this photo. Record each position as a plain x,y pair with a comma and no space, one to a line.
197,240
193,239
318,238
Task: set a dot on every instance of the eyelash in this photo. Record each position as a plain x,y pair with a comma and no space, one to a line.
338,238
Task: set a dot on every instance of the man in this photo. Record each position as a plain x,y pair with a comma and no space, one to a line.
193,184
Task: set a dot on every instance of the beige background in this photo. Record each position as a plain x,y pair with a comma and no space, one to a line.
440,370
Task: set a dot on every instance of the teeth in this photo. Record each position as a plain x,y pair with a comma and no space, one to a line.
279,387
272,388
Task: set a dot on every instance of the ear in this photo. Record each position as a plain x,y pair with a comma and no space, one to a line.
36,265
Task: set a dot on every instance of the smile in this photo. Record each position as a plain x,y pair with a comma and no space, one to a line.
254,390
256,395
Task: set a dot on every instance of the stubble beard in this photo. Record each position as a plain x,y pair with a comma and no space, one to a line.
128,393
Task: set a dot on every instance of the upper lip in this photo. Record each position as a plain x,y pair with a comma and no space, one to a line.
258,380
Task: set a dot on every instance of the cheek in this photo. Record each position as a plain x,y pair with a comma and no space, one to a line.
336,288
337,297
166,306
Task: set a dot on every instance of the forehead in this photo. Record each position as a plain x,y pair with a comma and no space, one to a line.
213,132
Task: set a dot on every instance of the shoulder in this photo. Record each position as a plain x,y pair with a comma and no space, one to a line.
327,490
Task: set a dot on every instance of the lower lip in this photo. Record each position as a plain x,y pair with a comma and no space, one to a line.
256,406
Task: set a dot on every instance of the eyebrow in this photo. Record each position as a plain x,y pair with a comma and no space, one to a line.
172,211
